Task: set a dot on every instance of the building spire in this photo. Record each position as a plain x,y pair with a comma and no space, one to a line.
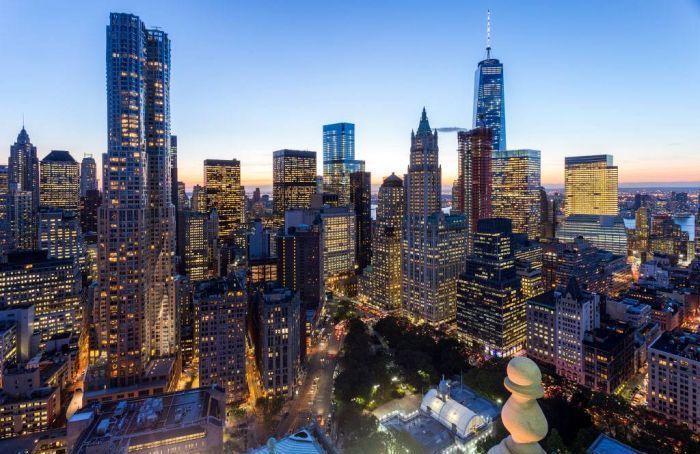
424,125
488,34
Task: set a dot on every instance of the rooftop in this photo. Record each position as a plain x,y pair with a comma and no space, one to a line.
679,343
136,421
607,445
59,156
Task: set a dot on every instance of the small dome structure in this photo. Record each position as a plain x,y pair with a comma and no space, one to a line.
451,414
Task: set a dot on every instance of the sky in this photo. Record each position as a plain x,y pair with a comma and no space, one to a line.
250,77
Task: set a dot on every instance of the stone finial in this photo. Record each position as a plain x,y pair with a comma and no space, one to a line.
521,414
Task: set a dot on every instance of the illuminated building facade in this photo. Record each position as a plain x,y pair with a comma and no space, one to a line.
198,201
590,186
88,175
516,189
23,166
53,286
23,227
540,316
576,312
300,263
201,249
293,180
673,388
60,234
60,181
380,284
135,309
490,305
604,232
221,307
338,237
474,150
361,200
433,244
339,160
222,183
489,96
278,340
26,404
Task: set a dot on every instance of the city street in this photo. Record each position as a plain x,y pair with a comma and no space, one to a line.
315,396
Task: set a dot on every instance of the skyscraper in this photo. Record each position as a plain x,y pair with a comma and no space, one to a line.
59,181
277,349
24,167
339,160
134,308
490,306
434,244
293,180
590,185
88,175
380,284
474,149
160,215
222,183
200,245
361,200
300,263
221,307
516,189
489,98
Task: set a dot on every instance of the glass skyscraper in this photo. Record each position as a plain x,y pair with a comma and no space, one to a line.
516,189
489,99
339,160
590,185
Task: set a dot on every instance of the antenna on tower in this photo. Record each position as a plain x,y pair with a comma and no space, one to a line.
488,34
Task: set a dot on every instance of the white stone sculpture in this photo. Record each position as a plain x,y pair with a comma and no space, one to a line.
521,414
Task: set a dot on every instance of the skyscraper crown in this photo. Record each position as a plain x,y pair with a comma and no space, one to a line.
424,125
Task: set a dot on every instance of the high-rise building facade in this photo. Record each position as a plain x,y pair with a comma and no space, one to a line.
380,284
361,200
576,312
490,305
135,307
300,263
489,96
673,388
60,234
339,160
474,150
22,220
278,340
59,181
222,183
89,205
604,232
434,244
516,189
53,286
293,180
23,167
590,185
88,175
200,246
221,307
160,215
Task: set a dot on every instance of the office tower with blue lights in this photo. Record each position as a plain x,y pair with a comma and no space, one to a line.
434,244
489,98
135,292
339,160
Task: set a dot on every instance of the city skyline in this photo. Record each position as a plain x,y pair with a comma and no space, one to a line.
234,124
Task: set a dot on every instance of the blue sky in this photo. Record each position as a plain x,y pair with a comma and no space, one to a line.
251,77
